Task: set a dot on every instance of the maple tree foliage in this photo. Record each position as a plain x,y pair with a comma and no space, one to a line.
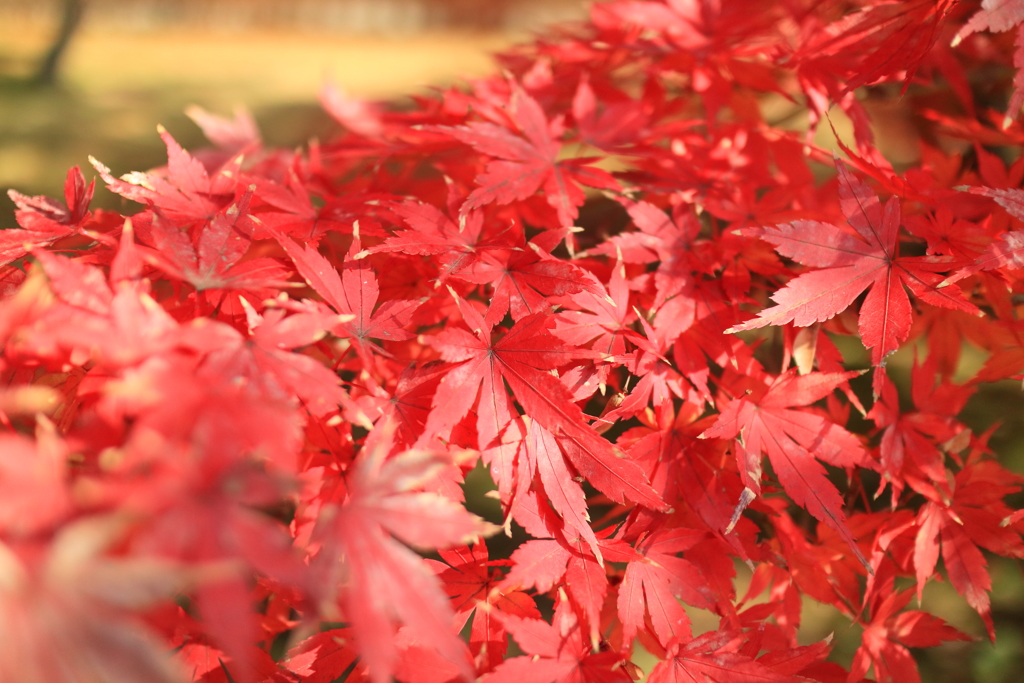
238,422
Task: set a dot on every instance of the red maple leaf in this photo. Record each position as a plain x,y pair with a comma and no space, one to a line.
891,631
1005,343
546,563
326,656
382,580
408,404
473,585
684,469
542,469
114,328
557,653
911,441
669,240
726,656
602,316
538,563
524,280
617,125
183,192
1007,251
67,606
44,220
273,335
525,160
209,254
454,247
879,42
523,358
656,581
848,264
960,526
231,136
765,422
353,293
32,472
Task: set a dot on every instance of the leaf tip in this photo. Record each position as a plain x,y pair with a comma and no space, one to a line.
746,498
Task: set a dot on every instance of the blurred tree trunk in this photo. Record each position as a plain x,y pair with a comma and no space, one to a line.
71,17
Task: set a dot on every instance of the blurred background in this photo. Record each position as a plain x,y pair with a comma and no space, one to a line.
81,77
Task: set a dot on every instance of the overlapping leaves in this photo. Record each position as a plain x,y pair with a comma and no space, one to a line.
256,405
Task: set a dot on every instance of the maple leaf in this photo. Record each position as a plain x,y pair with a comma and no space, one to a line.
964,562
383,581
33,481
206,663
546,563
963,524
557,653
1007,251
544,468
660,379
239,134
306,378
1005,341
523,358
849,264
527,162
326,656
765,422
44,220
819,568
408,404
602,317
524,281
947,235
474,589
353,293
656,582
669,240
684,469
617,125
115,328
716,656
212,257
204,509
359,116
66,607
286,207
891,631
454,247
538,563
880,41
183,192
912,440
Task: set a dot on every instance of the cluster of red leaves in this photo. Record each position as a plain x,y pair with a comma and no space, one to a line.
233,419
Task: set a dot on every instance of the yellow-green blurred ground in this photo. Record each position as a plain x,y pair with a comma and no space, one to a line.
118,85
